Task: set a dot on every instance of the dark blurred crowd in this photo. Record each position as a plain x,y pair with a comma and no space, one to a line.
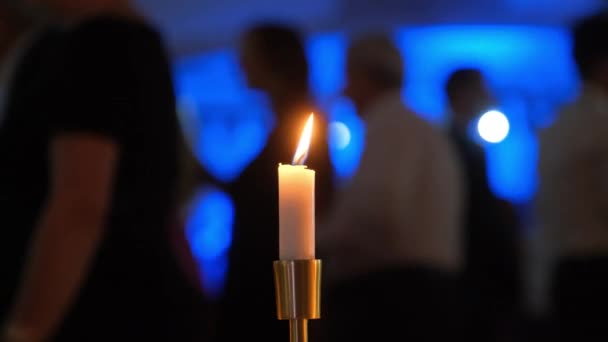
94,172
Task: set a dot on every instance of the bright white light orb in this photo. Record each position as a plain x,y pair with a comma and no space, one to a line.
493,126
339,134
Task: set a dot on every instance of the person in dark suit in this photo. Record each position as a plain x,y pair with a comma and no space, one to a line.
492,269
571,201
274,61
88,149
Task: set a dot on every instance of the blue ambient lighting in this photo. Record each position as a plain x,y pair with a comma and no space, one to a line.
529,68
227,124
327,57
345,156
209,234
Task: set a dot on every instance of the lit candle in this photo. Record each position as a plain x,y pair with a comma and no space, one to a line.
297,204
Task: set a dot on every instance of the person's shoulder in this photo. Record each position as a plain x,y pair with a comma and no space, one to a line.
592,100
571,109
573,118
416,122
578,129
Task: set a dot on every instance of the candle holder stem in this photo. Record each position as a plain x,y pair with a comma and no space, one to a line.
298,290
298,330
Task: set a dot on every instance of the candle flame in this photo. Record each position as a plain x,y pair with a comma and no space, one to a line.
302,151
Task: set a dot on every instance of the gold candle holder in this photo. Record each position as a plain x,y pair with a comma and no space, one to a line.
298,290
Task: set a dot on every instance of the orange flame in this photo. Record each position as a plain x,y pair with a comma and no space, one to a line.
302,151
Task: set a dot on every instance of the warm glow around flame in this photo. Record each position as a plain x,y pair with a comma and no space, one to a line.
302,151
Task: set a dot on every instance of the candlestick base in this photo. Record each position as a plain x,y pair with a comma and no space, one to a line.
298,290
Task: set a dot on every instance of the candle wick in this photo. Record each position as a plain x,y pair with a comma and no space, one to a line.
300,160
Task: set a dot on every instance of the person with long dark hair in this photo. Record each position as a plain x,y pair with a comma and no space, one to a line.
89,168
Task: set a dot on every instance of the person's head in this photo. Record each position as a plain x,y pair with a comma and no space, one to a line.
374,67
69,10
274,60
590,49
468,95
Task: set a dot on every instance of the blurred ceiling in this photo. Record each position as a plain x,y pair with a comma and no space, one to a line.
195,25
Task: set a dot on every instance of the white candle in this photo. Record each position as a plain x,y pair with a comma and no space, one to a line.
297,204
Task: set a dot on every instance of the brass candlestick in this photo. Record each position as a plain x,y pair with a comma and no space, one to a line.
298,289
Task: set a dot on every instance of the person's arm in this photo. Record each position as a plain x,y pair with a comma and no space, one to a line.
65,242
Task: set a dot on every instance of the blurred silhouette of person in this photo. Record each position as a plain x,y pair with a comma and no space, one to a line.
492,269
573,193
274,61
23,48
392,241
88,149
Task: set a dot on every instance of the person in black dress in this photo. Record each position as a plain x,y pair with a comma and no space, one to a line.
89,167
492,260
274,61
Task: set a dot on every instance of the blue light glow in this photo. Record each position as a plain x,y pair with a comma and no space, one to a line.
327,57
529,68
346,158
339,135
227,123
493,126
531,62
209,234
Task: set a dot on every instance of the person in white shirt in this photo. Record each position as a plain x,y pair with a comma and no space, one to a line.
392,241
573,194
